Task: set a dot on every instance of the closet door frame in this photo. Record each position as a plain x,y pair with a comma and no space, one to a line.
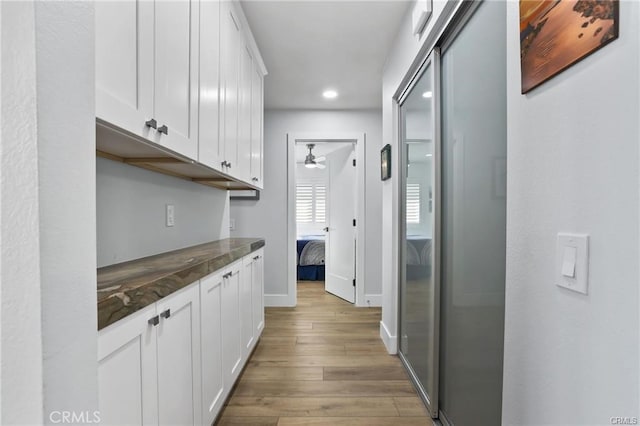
430,64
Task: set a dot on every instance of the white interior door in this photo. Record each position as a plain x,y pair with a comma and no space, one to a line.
341,236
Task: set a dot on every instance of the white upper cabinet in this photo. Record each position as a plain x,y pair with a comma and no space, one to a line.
230,62
147,70
176,75
257,117
185,75
124,64
244,110
209,137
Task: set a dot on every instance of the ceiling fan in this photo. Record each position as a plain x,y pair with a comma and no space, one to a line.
311,161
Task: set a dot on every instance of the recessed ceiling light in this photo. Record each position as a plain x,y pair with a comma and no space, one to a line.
330,94
427,95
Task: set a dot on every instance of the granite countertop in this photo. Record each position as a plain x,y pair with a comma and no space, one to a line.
130,286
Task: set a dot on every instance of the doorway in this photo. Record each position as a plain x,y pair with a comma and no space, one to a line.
453,220
326,232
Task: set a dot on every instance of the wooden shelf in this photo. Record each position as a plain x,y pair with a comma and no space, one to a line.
119,145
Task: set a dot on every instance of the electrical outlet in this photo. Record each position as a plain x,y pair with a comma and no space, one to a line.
171,215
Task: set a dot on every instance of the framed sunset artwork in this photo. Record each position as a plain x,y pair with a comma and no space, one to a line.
555,34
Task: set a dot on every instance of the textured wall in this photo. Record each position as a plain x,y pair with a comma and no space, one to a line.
21,351
573,167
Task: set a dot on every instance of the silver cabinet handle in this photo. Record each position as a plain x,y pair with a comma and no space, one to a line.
256,257
255,179
163,129
326,229
151,123
229,165
166,314
224,163
154,320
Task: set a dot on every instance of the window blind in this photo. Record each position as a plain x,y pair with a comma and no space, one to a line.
413,203
311,203
304,203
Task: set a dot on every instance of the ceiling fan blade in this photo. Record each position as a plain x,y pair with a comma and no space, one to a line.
320,165
321,158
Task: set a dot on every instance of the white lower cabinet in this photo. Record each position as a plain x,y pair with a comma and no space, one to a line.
213,390
149,364
175,362
179,377
231,338
246,320
252,299
127,372
257,291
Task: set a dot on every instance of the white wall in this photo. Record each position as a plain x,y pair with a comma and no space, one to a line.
131,212
48,211
268,217
573,167
21,332
66,133
403,53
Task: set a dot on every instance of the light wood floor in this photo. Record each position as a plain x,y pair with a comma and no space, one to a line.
323,363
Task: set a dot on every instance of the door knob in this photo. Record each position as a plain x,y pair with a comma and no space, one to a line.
326,229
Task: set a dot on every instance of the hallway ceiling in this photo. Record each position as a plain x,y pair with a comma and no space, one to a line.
311,46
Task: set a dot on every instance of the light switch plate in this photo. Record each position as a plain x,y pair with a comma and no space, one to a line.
572,258
171,215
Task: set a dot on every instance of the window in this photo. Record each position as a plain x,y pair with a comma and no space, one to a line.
413,203
311,203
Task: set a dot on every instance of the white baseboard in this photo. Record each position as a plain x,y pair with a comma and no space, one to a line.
374,300
390,342
278,300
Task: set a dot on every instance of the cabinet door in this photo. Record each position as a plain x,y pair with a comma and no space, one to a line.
231,338
179,379
244,120
127,374
246,310
257,114
176,75
230,43
257,289
208,124
211,343
124,64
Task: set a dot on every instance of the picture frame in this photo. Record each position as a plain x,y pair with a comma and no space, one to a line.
385,162
246,195
556,35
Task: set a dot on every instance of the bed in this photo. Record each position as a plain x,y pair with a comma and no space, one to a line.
310,258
